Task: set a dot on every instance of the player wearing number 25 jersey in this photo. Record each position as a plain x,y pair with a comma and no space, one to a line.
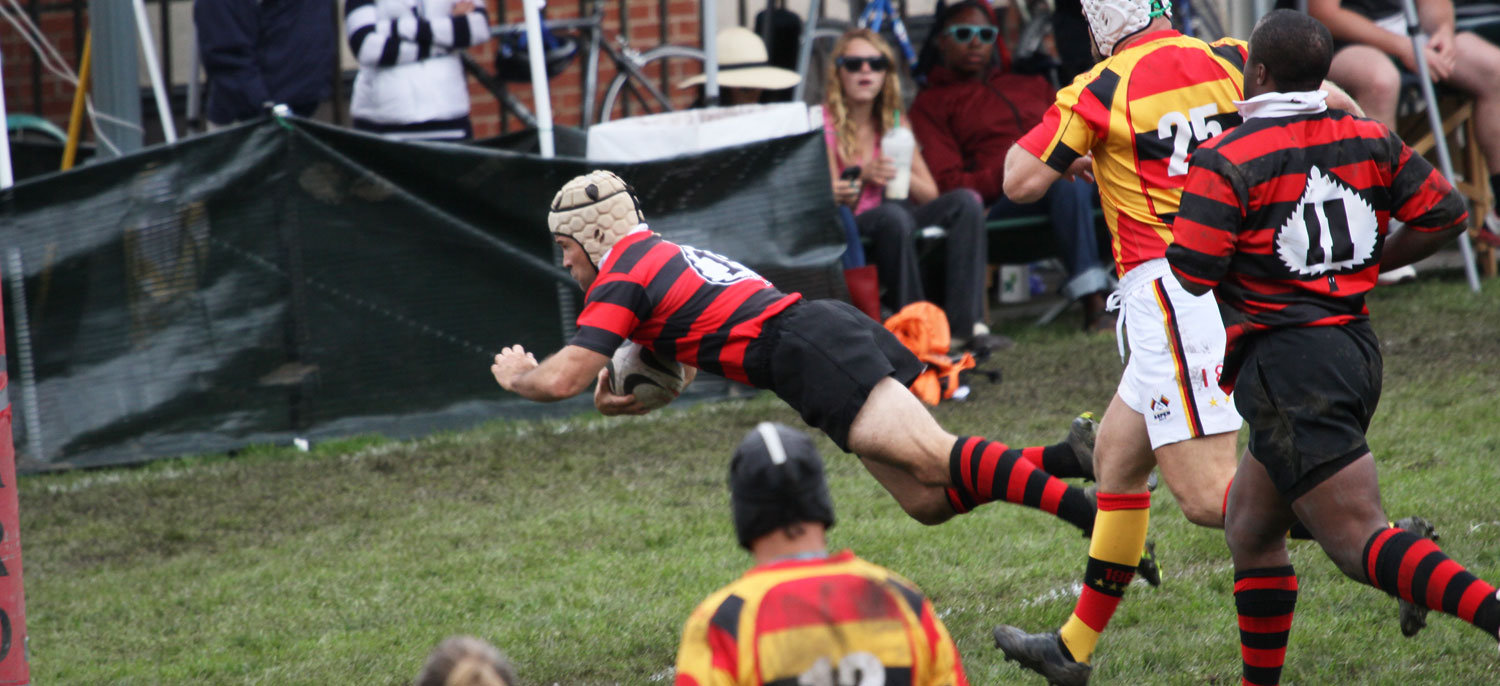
1141,113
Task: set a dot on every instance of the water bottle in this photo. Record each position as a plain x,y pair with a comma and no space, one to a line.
899,145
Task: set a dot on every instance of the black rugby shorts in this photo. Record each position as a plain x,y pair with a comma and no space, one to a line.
823,357
1308,394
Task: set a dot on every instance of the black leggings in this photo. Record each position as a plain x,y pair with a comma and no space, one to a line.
892,228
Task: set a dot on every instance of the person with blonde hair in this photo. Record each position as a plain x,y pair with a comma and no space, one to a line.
863,103
466,661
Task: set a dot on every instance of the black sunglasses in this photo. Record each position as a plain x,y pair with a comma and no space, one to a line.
857,64
964,33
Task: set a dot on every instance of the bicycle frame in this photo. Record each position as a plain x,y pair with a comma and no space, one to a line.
590,32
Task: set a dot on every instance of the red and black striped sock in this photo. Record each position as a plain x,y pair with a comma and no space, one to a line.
1058,460
1264,599
1414,569
983,471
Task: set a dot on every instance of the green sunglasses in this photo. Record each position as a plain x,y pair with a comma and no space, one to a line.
964,33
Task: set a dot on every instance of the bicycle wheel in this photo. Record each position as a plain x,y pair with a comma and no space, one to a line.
634,93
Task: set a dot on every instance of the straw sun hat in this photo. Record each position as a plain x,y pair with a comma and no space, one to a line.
743,63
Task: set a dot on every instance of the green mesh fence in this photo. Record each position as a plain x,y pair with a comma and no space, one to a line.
285,279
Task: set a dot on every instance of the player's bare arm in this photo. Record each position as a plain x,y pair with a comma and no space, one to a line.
1338,99
610,404
1027,177
562,375
1404,246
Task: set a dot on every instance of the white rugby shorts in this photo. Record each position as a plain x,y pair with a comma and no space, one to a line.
1176,355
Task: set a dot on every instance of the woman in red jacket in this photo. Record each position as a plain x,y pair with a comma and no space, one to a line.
971,110
862,104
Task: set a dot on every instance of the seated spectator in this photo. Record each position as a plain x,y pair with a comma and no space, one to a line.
802,615
256,54
972,109
745,71
411,82
466,661
863,102
1371,48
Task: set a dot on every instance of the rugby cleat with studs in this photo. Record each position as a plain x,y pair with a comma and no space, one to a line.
1043,654
1414,616
1081,435
1147,568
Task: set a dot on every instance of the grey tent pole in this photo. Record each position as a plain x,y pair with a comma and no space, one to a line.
194,112
710,18
1440,140
804,50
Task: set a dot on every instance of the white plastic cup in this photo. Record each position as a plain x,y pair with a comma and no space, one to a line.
1015,283
899,145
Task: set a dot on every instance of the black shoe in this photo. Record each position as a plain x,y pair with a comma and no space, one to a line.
1414,616
988,342
1043,654
1147,568
1080,438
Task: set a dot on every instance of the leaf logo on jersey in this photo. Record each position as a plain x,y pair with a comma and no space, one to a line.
716,268
1333,229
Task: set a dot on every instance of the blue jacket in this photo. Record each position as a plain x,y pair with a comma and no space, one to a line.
259,51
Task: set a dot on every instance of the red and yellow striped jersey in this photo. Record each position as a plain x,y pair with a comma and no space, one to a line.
835,620
1141,113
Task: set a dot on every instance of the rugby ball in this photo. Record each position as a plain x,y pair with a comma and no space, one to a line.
635,369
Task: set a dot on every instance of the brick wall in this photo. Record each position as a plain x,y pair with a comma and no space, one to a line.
642,20
20,86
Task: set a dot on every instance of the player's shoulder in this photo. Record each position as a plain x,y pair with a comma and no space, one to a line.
722,608
892,581
1231,52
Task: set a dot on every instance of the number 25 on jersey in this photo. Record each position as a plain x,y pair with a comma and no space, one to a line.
1186,131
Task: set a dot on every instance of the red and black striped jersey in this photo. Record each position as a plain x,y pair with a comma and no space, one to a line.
818,622
692,305
1285,217
1141,113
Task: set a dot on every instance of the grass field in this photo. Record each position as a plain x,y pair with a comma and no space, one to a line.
580,545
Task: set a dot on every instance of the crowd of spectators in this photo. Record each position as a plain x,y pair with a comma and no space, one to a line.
973,102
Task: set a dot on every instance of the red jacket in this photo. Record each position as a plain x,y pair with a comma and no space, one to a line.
965,128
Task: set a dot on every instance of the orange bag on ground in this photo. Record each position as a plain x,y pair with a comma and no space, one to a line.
923,328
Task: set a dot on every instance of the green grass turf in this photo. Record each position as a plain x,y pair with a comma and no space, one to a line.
579,546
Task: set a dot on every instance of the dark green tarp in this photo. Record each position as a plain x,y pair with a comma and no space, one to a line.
286,278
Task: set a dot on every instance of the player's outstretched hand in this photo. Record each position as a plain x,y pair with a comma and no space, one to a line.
511,363
610,404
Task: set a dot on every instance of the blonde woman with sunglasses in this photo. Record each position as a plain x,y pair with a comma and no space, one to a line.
862,104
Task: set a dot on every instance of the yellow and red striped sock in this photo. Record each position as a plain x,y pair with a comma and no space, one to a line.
1114,552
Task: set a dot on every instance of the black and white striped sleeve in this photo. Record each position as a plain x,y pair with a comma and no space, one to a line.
448,32
385,43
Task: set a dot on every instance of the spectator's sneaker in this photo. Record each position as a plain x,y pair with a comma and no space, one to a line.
1147,568
1414,616
1043,654
1490,231
1397,275
1081,437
